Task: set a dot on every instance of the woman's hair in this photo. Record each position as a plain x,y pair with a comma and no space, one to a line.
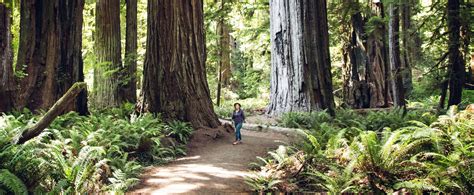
237,104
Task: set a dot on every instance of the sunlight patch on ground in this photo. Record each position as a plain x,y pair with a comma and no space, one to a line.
188,177
177,188
188,158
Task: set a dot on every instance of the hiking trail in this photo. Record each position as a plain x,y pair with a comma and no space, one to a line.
215,168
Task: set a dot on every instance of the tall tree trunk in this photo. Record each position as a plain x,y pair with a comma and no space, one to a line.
394,56
456,63
378,59
365,84
356,88
289,91
408,42
224,52
107,71
317,59
301,71
224,36
71,67
7,84
50,59
130,61
175,82
466,34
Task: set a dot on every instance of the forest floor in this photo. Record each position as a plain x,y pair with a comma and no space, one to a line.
215,168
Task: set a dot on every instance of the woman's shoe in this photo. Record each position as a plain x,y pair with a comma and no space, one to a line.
235,143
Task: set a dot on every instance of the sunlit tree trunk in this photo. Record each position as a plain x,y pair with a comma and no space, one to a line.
301,70
7,84
49,57
456,67
107,70
224,34
175,82
396,78
129,90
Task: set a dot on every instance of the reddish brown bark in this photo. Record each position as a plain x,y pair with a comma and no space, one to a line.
175,83
129,90
50,58
7,84
107,71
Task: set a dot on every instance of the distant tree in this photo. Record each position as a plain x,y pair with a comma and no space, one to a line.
129,90
456,67
107,71
301,70
409,47
396,77
224,69
365,59
175,82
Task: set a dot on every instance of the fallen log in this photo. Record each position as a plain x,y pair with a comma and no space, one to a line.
56,110
266,128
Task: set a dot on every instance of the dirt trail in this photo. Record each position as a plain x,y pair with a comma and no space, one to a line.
216,168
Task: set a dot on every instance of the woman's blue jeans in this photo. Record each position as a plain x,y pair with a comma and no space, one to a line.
238,126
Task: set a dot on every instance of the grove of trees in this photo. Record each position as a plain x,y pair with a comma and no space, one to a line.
375,84
381,46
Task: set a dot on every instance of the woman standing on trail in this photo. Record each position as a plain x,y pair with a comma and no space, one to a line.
238,117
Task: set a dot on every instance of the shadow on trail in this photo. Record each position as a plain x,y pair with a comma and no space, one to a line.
217,168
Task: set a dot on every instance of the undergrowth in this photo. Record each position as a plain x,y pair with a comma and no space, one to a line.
102,152
377,152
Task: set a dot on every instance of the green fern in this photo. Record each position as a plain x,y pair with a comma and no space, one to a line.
12,183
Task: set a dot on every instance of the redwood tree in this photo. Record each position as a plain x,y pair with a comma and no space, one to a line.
49,57
396,77
364,72
456,67
7,85
175,82
129,90
301,70
107,71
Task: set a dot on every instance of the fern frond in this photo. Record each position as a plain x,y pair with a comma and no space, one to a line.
12,182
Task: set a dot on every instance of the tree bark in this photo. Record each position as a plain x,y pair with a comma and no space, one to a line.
408,42
394,56
130,61
50,57
107,77
455,60
224,42
71,67
365,76
301,72
7,83
317,60
175,82
356,89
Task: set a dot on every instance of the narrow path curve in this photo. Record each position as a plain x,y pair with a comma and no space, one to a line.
217,168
